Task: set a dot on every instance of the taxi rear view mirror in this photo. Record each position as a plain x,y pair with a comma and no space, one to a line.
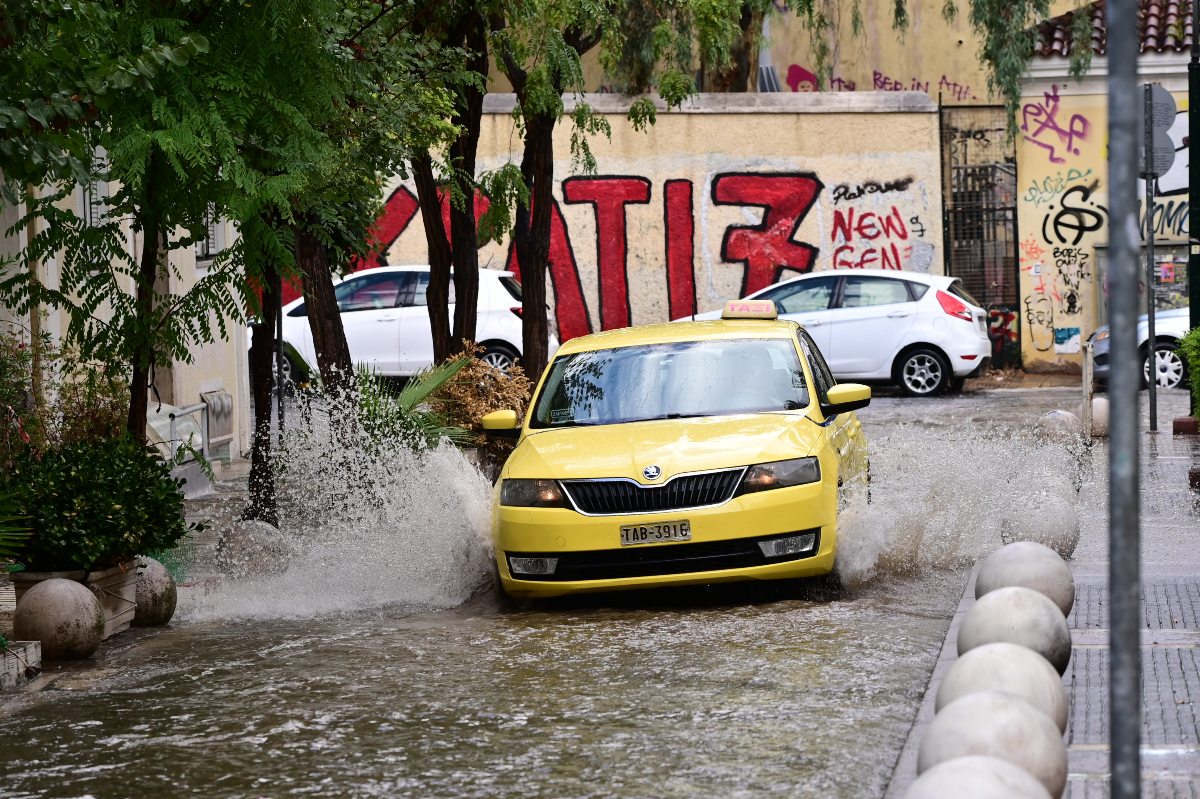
501,424
846,397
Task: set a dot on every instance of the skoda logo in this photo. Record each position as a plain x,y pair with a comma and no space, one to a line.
652,472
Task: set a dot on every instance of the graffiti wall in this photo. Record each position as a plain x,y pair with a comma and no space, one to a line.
1063,215
718,201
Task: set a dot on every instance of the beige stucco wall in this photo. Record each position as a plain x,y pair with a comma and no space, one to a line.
1063,196
871,159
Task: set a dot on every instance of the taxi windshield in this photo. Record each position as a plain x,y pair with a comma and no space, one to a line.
672,381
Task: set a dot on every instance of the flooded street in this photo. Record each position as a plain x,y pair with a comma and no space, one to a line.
797,690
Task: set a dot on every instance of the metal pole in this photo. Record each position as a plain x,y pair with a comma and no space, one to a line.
1194,184
279,395
1124,384
1149,178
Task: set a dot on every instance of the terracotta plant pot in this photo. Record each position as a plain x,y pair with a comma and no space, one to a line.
1186,426
116,588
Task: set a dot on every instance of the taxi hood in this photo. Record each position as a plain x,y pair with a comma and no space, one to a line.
674,445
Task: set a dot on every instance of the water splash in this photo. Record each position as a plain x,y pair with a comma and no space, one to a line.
369,524
948,500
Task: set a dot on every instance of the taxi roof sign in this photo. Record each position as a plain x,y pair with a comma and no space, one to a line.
749,309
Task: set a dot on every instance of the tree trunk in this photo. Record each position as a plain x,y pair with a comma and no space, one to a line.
532,235
462,220
438,294
262,372
324,318
143,353
742,74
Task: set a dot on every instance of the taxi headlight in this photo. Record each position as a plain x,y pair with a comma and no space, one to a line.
781,474
532,494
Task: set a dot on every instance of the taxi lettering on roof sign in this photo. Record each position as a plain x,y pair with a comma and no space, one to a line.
749,309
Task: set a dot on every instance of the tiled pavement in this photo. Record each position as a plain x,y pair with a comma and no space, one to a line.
1170,637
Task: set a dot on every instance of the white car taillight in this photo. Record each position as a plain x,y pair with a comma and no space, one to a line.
954,306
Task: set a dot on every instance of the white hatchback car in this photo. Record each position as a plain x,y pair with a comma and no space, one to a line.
922,332
386,318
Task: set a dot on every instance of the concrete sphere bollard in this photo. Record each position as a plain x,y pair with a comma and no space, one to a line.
976,777
156,594
252,549
1100,409
1060,427
1018,615
1048,518
1032,565
999,725
1010,668
64,615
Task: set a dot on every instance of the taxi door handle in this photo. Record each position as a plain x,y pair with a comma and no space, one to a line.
811,322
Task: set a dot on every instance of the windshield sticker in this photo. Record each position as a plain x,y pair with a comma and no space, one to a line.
561,415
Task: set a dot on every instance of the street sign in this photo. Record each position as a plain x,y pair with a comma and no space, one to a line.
1162,155
1162,117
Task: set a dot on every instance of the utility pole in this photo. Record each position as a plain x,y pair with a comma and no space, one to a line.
1194,186
1150,177
1125,380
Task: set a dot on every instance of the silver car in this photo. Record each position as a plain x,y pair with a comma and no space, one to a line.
1169,367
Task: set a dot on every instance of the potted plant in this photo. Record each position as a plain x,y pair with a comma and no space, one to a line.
92,507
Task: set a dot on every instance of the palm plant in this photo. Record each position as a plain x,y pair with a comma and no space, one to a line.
13,533
405,415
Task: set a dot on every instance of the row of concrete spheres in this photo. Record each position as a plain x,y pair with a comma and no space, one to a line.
1002,708
69,621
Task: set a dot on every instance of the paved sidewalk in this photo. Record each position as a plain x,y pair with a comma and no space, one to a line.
1170,638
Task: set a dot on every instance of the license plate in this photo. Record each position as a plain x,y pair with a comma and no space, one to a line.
656,533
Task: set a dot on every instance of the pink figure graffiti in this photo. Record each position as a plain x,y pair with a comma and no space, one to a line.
1046,115
800,79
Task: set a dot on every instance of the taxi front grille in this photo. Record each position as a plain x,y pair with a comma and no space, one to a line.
606,497
662,559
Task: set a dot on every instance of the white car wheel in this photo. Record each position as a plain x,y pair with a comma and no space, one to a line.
923,373
499,357
1168,367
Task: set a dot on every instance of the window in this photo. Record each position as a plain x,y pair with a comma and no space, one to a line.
862,292
93,197
416,289
816,362
917,290
208,247
369,292
802,296
513,286
958,288
672,381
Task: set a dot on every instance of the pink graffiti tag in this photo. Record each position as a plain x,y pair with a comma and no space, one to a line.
1046,115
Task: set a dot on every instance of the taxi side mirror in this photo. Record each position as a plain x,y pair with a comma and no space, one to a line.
501,424
846,397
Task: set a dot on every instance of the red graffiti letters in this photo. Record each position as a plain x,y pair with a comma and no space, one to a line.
1045,114
767,249
608,197
876,236
569,305
678,217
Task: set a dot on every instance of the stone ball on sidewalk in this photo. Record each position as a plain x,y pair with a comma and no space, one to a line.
1018,615
1032,565
1010,668
64,615
1100,410
1047,518
156,594
977,777
1059,427
252,549
998,725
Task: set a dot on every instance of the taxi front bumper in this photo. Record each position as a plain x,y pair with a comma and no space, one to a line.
724,545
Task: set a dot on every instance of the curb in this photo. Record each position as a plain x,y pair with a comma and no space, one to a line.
905,771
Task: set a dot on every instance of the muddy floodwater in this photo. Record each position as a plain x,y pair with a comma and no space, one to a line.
264,688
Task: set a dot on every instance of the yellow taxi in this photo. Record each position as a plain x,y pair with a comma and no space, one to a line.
676,454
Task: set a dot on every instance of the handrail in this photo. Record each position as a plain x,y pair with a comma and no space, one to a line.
174,441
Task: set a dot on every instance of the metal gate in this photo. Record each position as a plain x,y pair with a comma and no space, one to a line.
979,187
